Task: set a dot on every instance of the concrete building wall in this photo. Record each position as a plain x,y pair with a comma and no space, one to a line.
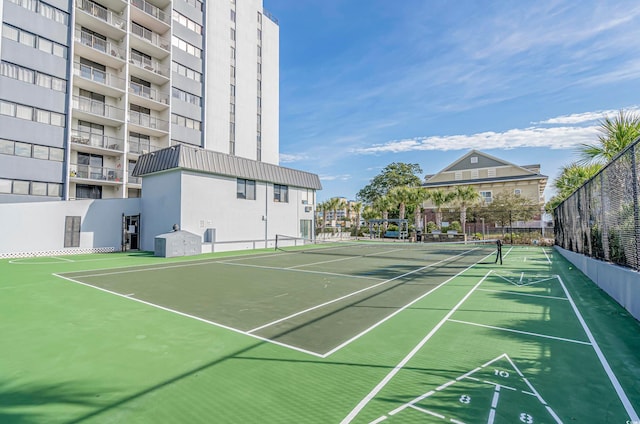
160,206
40,227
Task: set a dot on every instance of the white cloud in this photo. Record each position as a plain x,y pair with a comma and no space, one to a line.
286,158
580,118
553,138
341,177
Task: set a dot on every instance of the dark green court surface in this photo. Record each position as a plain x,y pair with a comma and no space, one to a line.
314,337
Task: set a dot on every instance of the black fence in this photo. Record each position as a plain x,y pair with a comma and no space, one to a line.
601,219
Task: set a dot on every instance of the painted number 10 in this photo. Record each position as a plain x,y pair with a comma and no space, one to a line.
501,373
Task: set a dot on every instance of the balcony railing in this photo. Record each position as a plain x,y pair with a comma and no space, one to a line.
99,173
150,36
98,75
148,92
133,180
101,13
152,10
96,140
99,44
149,64
141,147
148,121
96,107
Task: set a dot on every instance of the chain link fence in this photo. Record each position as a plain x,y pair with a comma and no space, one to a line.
601,219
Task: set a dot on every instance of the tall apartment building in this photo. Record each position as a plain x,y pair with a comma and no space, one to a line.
87,86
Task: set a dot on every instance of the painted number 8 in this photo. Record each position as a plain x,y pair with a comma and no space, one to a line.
465,399
526,418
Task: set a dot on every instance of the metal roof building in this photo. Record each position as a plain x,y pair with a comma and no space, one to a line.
216,163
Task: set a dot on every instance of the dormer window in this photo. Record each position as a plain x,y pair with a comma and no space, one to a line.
474,159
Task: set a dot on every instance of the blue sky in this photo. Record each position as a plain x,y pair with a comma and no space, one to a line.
364,83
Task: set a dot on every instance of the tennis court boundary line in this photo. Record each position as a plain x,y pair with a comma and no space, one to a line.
373,393
184,314
269,324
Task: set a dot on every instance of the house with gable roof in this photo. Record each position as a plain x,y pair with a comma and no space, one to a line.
489,176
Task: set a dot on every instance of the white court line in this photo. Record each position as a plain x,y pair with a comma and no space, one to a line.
545,254
364,277
494,404
633,415
226,327
269,324
371,255
520,332
357,336
426,411
410,355
524,294
379,420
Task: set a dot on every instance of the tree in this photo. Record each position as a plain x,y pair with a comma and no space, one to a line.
334,204
400,196
417,197
383,204
356,207
571,178
615,135
464,196
439,198
393,175
508,207
322,207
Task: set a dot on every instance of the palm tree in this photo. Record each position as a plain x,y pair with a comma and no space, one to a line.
615,135
400,196
356,207
464,196
322,207
334,204
383,204
439,198
418,196
368,214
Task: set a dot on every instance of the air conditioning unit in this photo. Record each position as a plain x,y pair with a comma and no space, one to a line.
307,208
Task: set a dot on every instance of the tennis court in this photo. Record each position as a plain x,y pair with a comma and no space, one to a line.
364,334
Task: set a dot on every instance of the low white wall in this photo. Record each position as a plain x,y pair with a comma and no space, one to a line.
37,228
622,284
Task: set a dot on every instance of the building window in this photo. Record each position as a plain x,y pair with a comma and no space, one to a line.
280,193
486,196
246,189
88,191
306,196
186,72
474,159
517,192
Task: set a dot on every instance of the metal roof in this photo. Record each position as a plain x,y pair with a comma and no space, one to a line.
210,162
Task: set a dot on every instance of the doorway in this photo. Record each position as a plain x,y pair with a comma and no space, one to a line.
130,232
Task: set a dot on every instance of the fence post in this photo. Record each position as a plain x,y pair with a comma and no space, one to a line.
636,213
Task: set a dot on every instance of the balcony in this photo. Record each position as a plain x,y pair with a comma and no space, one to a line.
95,143
106,176
153,125
97,80
149,97
97,17
140,148
150,16
96,111
98,49
148,69
149,42
136,181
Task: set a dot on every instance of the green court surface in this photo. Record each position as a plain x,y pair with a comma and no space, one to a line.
444,336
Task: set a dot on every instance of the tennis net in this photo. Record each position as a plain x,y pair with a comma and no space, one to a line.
384,249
